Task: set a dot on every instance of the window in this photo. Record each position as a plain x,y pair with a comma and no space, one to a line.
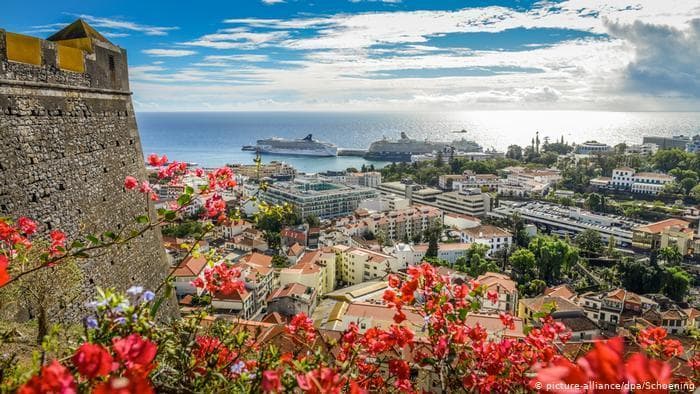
111,63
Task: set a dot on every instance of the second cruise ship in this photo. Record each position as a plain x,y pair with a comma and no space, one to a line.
306,146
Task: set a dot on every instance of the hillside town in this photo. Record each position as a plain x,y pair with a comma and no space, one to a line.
605,239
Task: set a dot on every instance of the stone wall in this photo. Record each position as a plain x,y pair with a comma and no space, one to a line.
67,141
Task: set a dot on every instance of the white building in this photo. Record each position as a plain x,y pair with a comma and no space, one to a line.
384,204
626,178
357,265
591,147
494,237
642,149
471,180
694,145
413,254
471,202
506,289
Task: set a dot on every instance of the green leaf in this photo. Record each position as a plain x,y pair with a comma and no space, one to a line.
463,313
184,199
77,244
170,215
143,219
189,190
93,239
110,235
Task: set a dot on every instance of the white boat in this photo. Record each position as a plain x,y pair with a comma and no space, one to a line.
306,146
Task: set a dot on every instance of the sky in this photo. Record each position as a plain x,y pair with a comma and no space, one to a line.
618,55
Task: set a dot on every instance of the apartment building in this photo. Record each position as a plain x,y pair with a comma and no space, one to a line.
409,254
628,179
506,289
367,179
317,197
357,265
291,299
649,236
384,204
470,180
415,194
187,271
467,201
315,269
397,225
571,315
494,237
274,169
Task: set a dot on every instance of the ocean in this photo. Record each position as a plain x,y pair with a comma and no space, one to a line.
215,138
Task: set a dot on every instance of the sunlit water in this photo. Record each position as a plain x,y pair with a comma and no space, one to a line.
215,138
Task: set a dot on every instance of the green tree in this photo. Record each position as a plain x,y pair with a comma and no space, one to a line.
695,193
589,242
667,159
594,202
476,261
432,234
553,255
514,152
639,277
279,261
677,283
523,261
671,255
270,219
313,220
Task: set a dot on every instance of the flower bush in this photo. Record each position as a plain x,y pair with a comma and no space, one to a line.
125,349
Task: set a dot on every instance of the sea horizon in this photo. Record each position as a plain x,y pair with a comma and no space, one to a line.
213,138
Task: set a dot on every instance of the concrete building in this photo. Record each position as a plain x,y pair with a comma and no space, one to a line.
319,198
315,269
472,202
565,311
693,146
506,289
570,221
592,147
188,270
641,149
409,254
649,236
291,299
677,141
367,179
384,204
415,194
494,237
398,225
274,169
357,265
626,178
471,180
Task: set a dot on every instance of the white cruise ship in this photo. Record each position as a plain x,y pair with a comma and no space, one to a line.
306,146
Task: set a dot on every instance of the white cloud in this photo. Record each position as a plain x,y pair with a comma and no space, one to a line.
168,52
237,38
116,24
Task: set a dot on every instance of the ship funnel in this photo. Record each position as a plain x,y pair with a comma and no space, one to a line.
308,137
404,136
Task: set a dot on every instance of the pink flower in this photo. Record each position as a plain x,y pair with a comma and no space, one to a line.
92,360
54,378
130,183
156,161
27,226
4,276
271,382
135,352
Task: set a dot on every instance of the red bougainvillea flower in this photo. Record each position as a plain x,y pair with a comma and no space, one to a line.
302,325
135,352
130,183
5,230
321,381
507,320
642,371
155,161
128,384
492,296
210,347
26,225
92,360
222,279
271,382
4,276
54,378
654,341
58,239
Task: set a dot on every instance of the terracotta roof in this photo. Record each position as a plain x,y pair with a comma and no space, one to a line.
578,323
618,294
560,304
563,291
235,296
290,289
658,227
492,279
191,266
492,324
488,231
295,250
692,313
274,318
258,261
380,312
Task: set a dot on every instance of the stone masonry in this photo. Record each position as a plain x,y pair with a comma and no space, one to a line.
67,141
